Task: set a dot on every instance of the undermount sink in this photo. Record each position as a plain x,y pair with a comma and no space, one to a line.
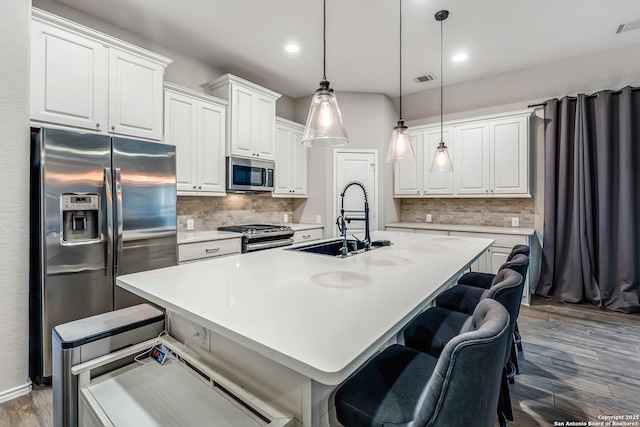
334,247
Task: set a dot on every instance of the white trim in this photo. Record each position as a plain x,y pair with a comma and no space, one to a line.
174,88
107,40
12,393
373,224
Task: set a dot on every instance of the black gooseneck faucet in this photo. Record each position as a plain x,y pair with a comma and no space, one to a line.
343,220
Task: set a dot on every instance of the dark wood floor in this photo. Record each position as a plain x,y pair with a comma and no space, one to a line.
578,362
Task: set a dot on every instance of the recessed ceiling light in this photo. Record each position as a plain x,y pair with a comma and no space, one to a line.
460,57
292,48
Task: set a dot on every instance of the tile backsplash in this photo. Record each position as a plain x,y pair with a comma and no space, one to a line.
489,212
209,213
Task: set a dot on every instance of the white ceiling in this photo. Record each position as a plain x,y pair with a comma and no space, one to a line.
247,37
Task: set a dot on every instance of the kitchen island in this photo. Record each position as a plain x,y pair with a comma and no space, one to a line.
290,326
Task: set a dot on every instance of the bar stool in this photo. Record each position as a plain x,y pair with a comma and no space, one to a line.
404,386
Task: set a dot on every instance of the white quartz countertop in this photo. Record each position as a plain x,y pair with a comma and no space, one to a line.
208,235
468,228
320,316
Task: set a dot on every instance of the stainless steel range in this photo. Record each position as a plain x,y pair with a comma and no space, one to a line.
256,237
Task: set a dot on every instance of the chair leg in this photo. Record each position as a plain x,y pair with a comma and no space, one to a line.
502,420
504,401
517,338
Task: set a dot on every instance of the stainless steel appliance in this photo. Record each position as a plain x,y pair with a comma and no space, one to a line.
256,237
101,206
245,175
91,337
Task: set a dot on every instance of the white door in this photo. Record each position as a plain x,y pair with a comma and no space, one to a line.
471,160
361,166
210,162
509,156
180,129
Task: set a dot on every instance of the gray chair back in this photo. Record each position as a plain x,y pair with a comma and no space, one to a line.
464,387
518,249
507,289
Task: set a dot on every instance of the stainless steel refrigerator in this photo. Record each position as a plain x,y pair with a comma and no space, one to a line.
101,207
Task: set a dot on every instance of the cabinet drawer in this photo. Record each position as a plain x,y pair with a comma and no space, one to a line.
307,235
501,240
210,249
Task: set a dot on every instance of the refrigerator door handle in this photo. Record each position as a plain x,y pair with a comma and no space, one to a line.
119,225
108,180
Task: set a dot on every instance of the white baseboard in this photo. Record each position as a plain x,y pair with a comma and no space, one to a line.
12,393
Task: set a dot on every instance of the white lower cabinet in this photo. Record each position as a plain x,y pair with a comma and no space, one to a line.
301,236
195,124
200,251
291,160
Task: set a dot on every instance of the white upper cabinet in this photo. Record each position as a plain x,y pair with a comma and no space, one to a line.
135,95
291,160
408,175
471,164
509,150
251,117
195,124
68,78
85,79
437,183
490,158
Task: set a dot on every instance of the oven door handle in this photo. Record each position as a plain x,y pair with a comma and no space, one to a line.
267,245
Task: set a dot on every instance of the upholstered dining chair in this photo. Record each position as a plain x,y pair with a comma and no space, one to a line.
483,280
402,386
431,331
465,297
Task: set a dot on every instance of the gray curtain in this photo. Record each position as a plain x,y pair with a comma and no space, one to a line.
591,241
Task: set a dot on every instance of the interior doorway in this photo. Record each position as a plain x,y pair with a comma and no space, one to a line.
356,165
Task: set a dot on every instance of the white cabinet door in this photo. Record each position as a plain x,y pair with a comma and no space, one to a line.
251,117
197,129
135,95
299,172
291,160
497,257
210,158
408,175
180,128
68,78
242,121
437,183
264,126
509,148
471,164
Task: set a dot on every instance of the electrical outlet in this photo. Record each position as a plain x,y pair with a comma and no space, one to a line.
286,218
189,224
515,221
428,217
318,219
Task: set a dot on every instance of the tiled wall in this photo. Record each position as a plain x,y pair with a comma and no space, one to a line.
209,213
489,212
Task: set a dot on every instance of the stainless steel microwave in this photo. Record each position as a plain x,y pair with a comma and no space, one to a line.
249,174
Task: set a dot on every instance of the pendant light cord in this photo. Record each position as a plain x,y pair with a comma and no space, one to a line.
441,84
400,1
324,40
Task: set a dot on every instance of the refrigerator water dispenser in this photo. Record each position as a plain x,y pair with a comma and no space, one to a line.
80,217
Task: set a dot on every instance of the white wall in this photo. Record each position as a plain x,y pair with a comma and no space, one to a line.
369,120
14,193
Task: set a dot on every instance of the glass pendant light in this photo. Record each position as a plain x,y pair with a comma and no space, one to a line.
400,147
441,160
324,126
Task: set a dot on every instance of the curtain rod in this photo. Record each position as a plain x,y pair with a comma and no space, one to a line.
573,98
